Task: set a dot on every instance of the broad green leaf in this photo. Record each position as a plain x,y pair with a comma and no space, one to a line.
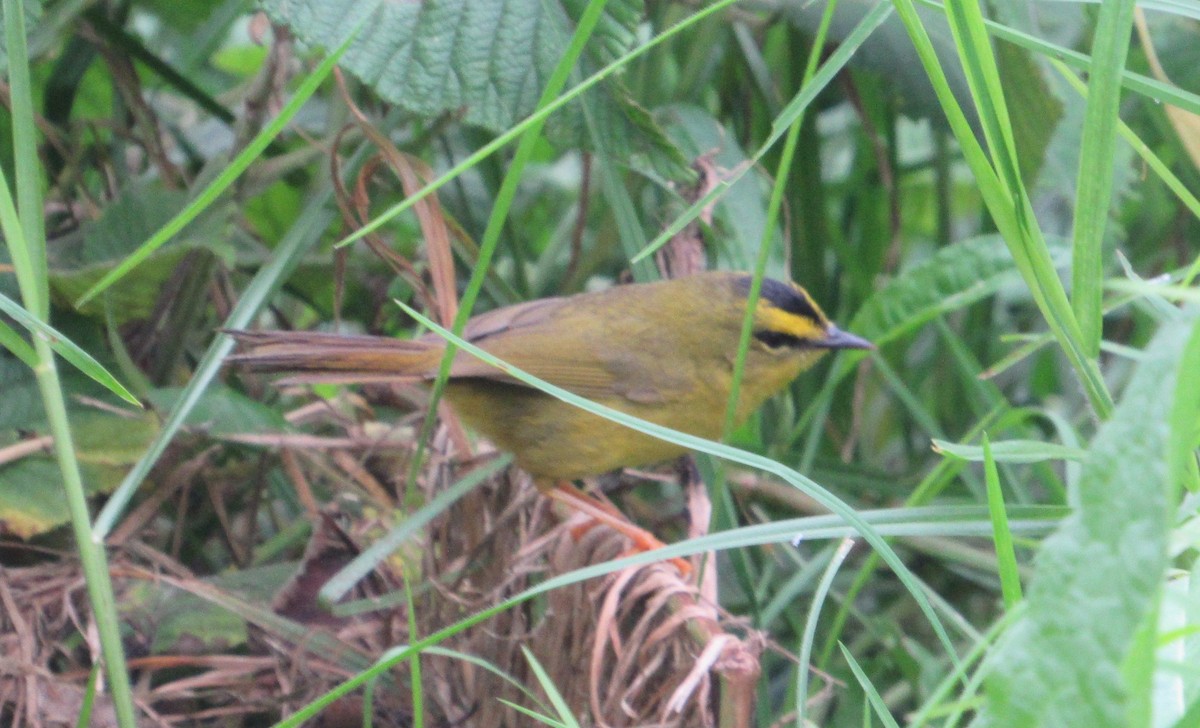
956,276
31,500
111,440
78,263
1098,578
182,17
223,411
174,620
486,61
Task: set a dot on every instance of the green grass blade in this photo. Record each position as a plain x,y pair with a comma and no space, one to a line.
67,349
25,236
1151,88
365,562
26,165
1010,577
416,686
810,626
20,348
1000,185
547,720
873,696
1093,196
565,718
89,698
1010,451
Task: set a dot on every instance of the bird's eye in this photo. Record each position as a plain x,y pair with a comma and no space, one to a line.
778,339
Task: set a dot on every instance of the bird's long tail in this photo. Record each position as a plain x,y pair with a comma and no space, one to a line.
312,357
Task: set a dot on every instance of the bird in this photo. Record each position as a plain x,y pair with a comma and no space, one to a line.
663,351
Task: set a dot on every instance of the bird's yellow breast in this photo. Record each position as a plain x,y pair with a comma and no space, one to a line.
551,439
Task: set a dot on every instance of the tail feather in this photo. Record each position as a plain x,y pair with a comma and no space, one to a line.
335,358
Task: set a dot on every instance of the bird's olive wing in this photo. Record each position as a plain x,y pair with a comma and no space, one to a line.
562,341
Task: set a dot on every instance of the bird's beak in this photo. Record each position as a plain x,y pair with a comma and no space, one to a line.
835,338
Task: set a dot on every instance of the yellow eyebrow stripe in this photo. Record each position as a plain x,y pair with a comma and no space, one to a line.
772,318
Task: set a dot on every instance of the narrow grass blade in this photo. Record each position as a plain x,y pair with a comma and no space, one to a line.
24,232
999,179
1093,197
810,626
1149,87
547,720
16,345
416,687
89,698
876,700
1010,576
365,562
31,271
565,717
65,348
1010,451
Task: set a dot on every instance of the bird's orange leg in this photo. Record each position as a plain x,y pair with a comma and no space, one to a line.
607,514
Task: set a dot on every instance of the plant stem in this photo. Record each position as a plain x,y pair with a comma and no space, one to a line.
91,553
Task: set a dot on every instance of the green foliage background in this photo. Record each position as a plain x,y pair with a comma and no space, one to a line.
1023,254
